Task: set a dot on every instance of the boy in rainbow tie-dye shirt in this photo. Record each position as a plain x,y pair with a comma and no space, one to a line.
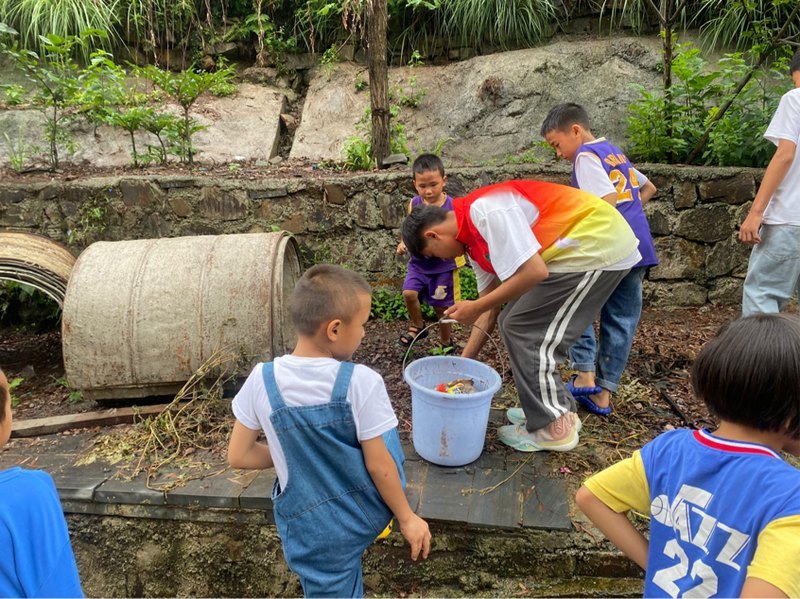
553,254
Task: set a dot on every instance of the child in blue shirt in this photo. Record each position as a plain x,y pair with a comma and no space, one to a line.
724,507
37,558
332,432
603,169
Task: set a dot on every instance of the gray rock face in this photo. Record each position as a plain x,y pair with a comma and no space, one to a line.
488,107
246,124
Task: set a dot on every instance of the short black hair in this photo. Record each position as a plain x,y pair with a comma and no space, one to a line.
5,394
749,373
562,116
426,163
325,292
419,220
794,65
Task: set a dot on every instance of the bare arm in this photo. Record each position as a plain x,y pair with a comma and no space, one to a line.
532,272
611,198
245,452
776,171
383,471
486,322
647,191
616,527
755,587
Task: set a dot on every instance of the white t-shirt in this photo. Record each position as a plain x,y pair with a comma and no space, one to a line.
308,382
784,207
504,219
592,177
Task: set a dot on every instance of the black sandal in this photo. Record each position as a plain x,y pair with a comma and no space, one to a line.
412,334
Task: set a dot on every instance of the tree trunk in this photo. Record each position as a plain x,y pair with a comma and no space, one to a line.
377,16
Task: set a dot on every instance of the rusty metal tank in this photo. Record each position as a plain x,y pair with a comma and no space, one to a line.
140,317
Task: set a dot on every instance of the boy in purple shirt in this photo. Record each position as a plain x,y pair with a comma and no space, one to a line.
603,169
432,280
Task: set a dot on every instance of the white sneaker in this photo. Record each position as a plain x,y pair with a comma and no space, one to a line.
517,436
517,416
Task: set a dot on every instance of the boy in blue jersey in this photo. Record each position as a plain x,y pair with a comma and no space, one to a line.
37,559
603,169
724,507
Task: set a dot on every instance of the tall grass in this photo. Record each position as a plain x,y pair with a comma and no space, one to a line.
501,22
34,19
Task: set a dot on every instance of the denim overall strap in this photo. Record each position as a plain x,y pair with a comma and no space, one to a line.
273,394
342,384
330,510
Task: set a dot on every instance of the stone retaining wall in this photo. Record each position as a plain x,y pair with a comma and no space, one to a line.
134,556
354,219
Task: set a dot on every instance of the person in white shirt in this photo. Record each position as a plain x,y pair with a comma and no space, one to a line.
331,436
772,226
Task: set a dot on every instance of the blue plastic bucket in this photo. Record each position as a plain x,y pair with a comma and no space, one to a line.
450,430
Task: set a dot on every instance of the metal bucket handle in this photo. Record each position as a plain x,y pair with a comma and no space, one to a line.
454,321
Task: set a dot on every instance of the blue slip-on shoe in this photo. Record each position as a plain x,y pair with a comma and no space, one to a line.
580,391
592,407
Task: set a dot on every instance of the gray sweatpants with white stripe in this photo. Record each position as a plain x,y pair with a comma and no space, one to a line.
538,329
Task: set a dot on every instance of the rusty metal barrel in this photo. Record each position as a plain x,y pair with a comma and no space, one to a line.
140,317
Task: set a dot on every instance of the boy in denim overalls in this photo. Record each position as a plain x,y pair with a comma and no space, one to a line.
331,437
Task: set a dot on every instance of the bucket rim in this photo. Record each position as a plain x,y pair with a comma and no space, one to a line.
493,378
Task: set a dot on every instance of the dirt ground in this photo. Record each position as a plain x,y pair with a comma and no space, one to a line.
655,394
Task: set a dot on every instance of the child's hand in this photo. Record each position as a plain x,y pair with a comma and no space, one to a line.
464,312
401,248
418,535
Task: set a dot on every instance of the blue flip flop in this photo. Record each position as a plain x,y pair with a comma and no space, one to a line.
580,391
592,407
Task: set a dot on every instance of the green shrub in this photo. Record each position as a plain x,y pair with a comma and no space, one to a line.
665,127
24,306
37,20
501,22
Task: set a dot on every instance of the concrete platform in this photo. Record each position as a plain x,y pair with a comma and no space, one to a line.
494,491
501,526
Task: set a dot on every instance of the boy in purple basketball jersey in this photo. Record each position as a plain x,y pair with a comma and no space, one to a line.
430,280
603,169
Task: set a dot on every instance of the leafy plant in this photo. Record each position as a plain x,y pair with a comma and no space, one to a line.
131,120
19,151
185,88
92,220
161,25
15,94
737,139
388,304
360,83
75,395
12,385
411,96
358,148
501,22
666,126
744,24
38,21
159,124
55,75
22,305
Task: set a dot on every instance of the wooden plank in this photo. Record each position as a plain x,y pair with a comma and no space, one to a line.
544,501
56,424
446,494
500,504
